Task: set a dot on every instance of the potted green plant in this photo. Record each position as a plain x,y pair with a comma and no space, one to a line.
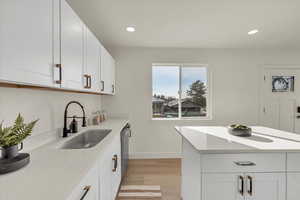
11,137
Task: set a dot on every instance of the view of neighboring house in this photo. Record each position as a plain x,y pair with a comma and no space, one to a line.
169,108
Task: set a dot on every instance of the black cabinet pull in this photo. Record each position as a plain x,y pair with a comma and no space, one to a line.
60,74
86,81
245,163
250,191
113,88
241,185
115,159
102,82
86,190
90,81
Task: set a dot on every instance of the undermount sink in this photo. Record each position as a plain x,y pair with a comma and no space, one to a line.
86,140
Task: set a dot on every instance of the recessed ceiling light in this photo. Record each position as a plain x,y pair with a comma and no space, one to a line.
130,29
252,32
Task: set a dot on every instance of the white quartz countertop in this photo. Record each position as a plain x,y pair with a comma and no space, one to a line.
217,139
53,173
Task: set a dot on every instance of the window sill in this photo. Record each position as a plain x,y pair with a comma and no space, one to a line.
183,119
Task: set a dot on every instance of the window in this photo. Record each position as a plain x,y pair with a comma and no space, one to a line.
180,91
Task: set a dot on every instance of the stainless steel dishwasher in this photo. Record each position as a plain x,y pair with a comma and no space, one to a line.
125,135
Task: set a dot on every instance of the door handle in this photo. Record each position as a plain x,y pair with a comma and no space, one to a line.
86,190
250,190
241,185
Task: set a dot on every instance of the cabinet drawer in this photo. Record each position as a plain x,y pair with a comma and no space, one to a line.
264,162
87,189
293,162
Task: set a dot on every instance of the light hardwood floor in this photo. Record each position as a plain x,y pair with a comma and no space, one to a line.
163,172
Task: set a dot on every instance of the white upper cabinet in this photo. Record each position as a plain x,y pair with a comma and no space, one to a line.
45,43
72,48
29,41
91,76
107,72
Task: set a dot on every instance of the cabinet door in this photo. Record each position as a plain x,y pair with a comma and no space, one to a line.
29,38
223,186
293,185
71,48
105,177
265,186
116,169
113,75
88,187
107,71
92,62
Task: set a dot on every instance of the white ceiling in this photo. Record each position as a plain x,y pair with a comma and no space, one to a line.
193,23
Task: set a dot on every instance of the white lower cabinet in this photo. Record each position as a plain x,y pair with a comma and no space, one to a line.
110,171
239,176
265,186
244,186
293,176
293,185
88,187
222,186
103,181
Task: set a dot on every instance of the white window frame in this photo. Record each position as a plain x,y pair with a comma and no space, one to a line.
209,90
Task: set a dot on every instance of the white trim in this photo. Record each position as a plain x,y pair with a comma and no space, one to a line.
209,89
180,64
183,118
156,155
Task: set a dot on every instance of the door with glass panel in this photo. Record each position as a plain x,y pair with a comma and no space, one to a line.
280,106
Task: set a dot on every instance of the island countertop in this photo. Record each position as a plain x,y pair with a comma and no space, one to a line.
217,139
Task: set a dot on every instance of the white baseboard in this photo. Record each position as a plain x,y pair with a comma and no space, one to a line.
154,155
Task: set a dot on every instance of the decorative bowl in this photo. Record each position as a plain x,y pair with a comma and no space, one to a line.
240,130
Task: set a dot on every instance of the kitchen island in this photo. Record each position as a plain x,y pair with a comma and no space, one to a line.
219,166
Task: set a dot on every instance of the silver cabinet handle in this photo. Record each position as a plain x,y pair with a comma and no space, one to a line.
245,163
241,185
86,190
250,190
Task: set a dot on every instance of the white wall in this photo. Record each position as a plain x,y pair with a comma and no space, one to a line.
48,106
235,91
